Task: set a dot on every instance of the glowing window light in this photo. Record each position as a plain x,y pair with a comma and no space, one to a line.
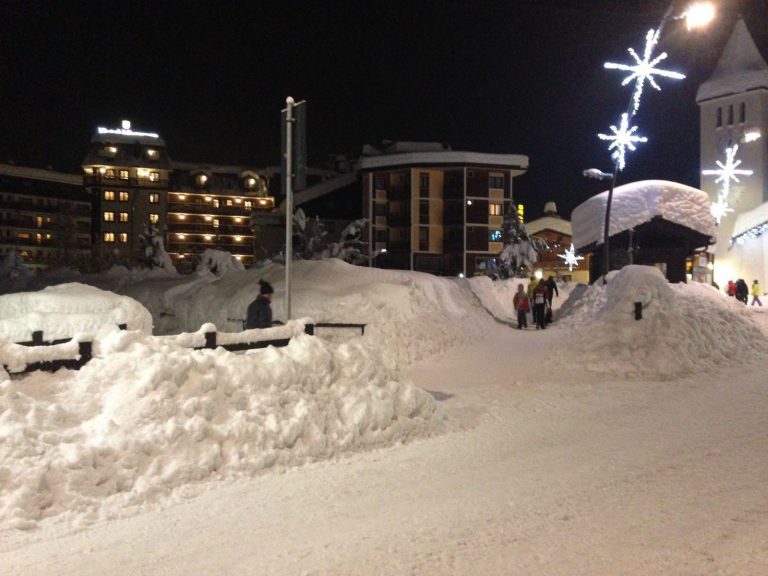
208,198
182,216
152,153
208,218
111,149
182,236
181,197
102,170
238,238
622,138
238,200
644,69
238,220
208,237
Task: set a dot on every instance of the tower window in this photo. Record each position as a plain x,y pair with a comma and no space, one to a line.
719,117
730,115
743,112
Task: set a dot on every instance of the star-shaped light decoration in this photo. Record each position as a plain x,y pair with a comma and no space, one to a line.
622,138
644,69
570,258
729,171
719,209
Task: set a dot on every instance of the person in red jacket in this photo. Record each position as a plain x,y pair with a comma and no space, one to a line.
522,305
731,290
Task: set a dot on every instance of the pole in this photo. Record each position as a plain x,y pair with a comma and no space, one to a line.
607,225
288,202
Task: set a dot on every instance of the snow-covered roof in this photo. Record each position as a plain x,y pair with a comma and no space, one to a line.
40,174
450,157
748,220
553,223
638,202
741,68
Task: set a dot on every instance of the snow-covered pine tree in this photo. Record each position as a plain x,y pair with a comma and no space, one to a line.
153,254
520,251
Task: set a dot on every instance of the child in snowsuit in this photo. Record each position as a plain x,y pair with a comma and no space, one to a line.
522,305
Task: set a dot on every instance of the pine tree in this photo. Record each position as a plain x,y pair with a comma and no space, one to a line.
520,251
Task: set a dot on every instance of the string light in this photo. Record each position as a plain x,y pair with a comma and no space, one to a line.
622,138
570,258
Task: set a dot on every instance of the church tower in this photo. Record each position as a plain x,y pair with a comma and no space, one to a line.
733,105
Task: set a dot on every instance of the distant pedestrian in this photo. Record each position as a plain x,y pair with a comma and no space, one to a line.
522,304
259,313
731,290
742,291
531,287
539,304
756,293
551,293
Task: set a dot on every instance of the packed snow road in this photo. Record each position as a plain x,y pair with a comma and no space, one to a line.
543,471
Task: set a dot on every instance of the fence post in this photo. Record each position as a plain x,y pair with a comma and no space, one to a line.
123,326
37,337
210,339
85,351
638,310
309,329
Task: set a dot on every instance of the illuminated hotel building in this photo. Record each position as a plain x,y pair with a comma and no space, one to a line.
133,182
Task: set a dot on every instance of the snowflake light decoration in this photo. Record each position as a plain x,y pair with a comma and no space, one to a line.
729,171
719,209
570,258
622,138
644,69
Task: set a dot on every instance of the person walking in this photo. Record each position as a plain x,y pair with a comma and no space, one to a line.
521,304
731,290
259,314
539,303
531,287
742,291
756,293
551,293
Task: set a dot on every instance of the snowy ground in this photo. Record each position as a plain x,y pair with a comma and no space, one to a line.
602,445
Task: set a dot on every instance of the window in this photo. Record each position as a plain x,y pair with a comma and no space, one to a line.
381,235
229,202
109,195
123,237
154,176
109,216
215,222
423,238
719,117
380,209
215,202
379,182
496,181
154,218
123,174
248,204
423,211
124,196
152,153
109,174
423,184
494,235
109,236
123,216
154,198
743,112
494,209
730,115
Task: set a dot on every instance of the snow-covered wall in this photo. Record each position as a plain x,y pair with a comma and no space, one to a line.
638,202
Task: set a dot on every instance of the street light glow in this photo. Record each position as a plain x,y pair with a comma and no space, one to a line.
699,14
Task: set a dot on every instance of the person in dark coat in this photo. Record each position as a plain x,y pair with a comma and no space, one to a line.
551,293
742,291
539,304
259,313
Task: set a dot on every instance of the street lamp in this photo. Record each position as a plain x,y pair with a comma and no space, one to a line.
643,71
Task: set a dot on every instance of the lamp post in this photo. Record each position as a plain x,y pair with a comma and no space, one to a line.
697,14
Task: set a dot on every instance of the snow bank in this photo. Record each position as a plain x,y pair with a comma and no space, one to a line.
148,419
685,328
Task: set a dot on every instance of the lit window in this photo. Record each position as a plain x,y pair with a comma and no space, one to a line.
38,238
182,236
238,220
123,237
238,238
123,174
109,195
112,150
208,237
109,173
215,203
229,202
124,196
238,200
152,153
202,179
216,223
154,218
208,198
123,216
24,235
208,218
109,236
248,204
182,216
154,198
181,196
494,209
109,216
154,176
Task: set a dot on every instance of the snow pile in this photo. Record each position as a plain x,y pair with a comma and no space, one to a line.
684,328
68,310
639,202
147,418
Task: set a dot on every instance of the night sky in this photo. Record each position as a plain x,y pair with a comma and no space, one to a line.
512,77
